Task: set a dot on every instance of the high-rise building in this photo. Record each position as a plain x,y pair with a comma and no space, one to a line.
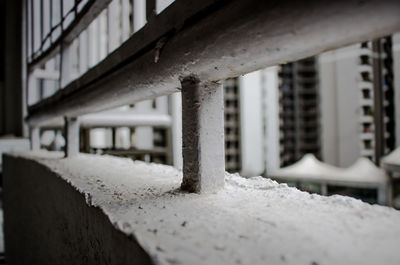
299,110
232,125
358,93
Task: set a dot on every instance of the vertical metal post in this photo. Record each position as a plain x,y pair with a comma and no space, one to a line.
61,76
324,189
71,136
378,102
382,197
389,190
32,31
76,8
168,155
41,24
113,138
35,138
51,22
139,14
85,136
24,64
62,15
150,9
203,135
65,64
125,27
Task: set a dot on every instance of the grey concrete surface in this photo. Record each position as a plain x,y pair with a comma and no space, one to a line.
47,221
202,136
51,218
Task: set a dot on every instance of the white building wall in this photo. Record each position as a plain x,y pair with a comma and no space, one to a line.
176,129
250,87
270,83
139,14
340,106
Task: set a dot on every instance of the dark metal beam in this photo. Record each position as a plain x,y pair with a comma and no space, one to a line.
215,40
150,9
12,92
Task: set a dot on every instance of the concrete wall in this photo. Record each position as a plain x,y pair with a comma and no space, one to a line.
48,222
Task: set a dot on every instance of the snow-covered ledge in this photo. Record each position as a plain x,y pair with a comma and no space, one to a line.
249,221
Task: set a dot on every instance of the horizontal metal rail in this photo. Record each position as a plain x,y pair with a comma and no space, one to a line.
128,119
215,40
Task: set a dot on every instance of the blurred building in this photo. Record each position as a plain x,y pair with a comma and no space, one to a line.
326,105
349,78
299,111
232,125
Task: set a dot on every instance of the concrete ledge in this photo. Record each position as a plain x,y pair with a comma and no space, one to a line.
50,222
105,210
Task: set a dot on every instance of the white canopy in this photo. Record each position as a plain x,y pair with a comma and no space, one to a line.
392,161
364,170
309,167
362,173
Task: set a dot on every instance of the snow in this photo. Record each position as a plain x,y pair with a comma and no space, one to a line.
250,221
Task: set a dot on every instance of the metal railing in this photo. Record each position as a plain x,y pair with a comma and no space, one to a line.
191,46
59,21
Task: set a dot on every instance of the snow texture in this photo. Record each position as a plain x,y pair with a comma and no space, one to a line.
250,221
